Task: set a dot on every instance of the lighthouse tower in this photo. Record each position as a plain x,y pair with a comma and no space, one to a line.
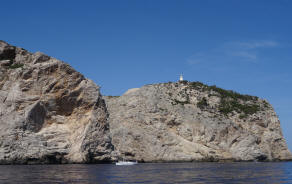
181,78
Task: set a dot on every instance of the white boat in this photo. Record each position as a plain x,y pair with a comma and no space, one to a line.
126,163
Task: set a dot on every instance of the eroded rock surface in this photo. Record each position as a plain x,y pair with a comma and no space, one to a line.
190,121
49,113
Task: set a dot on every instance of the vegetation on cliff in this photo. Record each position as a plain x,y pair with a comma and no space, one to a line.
230,101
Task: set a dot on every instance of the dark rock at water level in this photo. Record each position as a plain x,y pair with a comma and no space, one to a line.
50,113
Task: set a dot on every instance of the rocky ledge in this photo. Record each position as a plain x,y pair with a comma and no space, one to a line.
50,113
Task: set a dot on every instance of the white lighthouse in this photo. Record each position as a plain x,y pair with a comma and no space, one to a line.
181,78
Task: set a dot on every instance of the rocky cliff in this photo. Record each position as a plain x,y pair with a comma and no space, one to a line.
49,113
190,121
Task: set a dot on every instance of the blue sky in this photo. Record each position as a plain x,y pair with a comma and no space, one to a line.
243,45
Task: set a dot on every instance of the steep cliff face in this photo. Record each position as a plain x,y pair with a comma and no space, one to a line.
190,121
49,113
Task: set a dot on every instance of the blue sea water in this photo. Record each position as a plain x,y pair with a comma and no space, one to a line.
241,172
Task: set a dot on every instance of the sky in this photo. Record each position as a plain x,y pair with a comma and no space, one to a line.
242,45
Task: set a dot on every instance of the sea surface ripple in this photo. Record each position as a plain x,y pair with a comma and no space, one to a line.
199,173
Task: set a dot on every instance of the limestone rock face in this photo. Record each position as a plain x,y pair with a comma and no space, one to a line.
190,121
49,113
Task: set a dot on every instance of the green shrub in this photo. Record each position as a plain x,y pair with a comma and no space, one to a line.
202,103
14,66
230,100
197,85
175,102
221,92
183,82
227,106
242,116
231,94
266,104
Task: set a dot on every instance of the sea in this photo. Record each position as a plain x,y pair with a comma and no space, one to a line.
195,172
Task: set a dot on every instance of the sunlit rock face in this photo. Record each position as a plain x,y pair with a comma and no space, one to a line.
49,113
190,121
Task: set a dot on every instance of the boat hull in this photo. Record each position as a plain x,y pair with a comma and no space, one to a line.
126,163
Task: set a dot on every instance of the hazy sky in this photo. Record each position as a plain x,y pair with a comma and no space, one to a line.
243,45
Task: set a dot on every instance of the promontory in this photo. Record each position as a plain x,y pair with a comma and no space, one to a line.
50,113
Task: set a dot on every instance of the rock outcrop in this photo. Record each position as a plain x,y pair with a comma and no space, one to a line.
49,113
190,121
